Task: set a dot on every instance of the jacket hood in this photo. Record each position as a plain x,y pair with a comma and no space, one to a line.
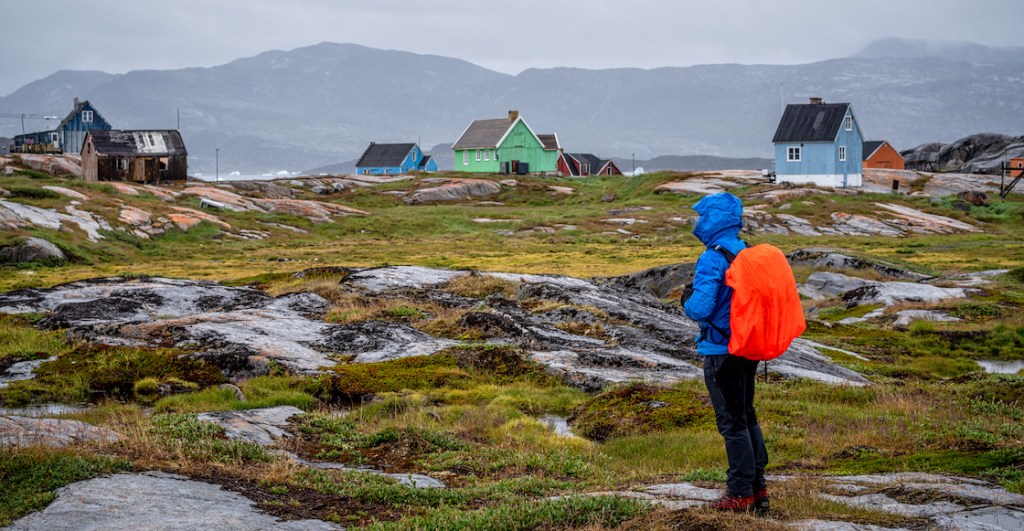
721,215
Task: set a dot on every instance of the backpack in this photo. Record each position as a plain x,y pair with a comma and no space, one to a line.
766,315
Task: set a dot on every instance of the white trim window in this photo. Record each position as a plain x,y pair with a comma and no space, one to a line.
842,153
793,154
848,123
487,154
478,155
465,157
86,117
122,164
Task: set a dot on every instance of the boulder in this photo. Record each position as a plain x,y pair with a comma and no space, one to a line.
453,190
820,258
67,192
261,427
21,432
979,199
31,250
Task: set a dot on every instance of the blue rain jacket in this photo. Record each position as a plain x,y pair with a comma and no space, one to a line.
721,218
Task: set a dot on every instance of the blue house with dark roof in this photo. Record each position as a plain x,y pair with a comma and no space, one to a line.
68,136
819,143
392,159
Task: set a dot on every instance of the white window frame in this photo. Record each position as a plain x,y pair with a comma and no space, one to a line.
122,164
842,153
478,155
53,137
86,117
848,123
793,154
487,154
465,157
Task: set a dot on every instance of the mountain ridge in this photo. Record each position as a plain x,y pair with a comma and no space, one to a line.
320,104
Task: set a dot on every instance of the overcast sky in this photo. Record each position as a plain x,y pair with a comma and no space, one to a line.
42,36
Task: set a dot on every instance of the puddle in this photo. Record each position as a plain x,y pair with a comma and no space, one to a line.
43,410
1001,367
559,425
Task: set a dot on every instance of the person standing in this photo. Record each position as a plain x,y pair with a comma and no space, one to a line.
729,379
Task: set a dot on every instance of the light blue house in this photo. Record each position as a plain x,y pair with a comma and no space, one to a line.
819,143
388,159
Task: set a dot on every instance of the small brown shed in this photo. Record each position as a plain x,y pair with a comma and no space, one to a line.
140,156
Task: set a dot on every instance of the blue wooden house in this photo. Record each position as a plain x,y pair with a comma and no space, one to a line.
819,143
388,159
68,136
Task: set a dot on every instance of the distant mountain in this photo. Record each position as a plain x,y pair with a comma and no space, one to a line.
693,163
316,106
948,50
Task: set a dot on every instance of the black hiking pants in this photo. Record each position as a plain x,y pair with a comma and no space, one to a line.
730,381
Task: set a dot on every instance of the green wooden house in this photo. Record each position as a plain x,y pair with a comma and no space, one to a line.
506,145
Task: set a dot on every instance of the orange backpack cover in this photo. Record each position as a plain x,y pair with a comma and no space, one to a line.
766,314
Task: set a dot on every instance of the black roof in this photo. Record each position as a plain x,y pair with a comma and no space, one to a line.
424,161
811,122
595,163
870,147
380,155
141,142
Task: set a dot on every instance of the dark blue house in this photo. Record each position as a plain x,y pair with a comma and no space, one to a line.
69,134
388,159
819,143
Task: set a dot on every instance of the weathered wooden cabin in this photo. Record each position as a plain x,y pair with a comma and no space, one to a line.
140,156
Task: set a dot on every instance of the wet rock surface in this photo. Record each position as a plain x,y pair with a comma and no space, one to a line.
855,291
21,432
595,333
155,500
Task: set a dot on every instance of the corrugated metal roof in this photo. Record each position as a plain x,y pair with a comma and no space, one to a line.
811,122
148,142
382,155
870,147
549,141
483,134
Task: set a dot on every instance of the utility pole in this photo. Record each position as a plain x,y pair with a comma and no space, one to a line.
218,164
633,174
23,125
179,120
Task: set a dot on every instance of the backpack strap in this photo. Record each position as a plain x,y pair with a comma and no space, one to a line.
729,255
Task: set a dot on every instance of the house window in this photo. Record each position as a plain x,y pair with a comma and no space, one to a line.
842,153
465,157
487,154
53,138
793,154
87,117
848,123
478,155
495,154
122,164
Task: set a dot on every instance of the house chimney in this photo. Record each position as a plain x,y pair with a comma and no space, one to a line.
76,103
817,101
512,115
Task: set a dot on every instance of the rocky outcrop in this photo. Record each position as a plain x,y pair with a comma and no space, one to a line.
889,220
856,291
453,190
16,215
981,153
597,332
31,250
23,432
821,258
67,192
54,164
315,211
953,502
155,500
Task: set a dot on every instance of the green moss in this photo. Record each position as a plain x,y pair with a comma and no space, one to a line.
28,478
89,372
204,441
640,408
27,192
259,392
352,382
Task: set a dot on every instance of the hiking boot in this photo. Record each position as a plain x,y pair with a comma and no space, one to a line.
761,505
736,504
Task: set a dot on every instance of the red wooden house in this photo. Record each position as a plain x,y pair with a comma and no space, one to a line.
880,154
